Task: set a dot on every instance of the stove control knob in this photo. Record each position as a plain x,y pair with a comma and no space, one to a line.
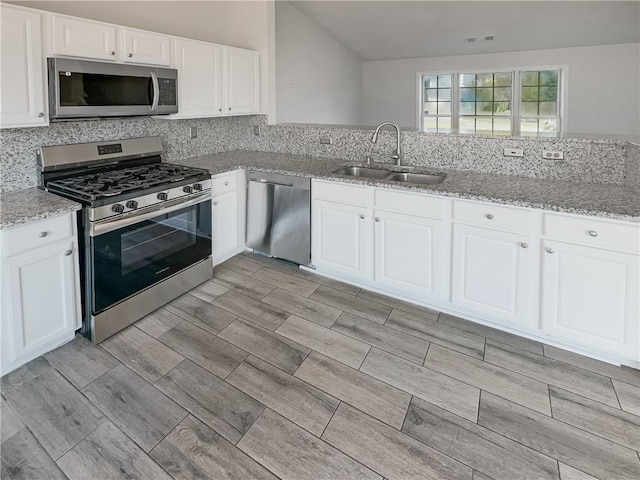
132,204
162,196
117,208
187,189
197,187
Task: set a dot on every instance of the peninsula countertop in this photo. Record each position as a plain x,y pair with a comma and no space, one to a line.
601,200
30,205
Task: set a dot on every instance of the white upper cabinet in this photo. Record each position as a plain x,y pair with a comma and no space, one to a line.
146,47
78,37
242,81
200,87
22,75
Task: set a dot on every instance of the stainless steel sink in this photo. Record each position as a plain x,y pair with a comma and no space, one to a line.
363,172
419,178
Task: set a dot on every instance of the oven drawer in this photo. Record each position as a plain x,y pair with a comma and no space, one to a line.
224,183
38,234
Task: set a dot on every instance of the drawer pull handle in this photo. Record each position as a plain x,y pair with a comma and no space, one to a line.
361,217
215,203
524,245
43,234
593,233
41,114
112,52
130,55
377,219
489,216
226,183
550,250
68,252
219,109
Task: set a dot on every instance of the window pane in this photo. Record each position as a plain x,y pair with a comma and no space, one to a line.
444,124
502,79
503,94
444,108
548,126
530,94
548,108
549,77
430,123
444,94
529,78
484,94
502,125
430,81
467,108
529,108
549,93
484,80
467,80
529,127
431,95
467,124
444,81
467,94
502,108
484,108
430,108
484,124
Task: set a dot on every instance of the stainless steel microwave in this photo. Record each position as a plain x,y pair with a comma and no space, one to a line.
84,89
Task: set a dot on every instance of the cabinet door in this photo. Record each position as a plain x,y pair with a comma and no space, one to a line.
146,47
590,297
199,79
41,303
242,81
22,81
492,274
338,236
224,226
408,254
83,38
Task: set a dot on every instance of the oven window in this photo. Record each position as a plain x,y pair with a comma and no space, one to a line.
92,89
132,258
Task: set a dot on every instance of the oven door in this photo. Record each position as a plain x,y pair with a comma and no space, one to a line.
131,254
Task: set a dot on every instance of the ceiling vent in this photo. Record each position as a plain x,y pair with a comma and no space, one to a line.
481,38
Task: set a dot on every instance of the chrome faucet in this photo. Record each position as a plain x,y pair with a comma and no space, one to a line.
398,155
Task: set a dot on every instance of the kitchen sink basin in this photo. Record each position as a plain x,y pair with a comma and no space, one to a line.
364,172
419,178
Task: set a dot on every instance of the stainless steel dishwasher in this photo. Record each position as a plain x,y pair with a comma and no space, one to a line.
279,216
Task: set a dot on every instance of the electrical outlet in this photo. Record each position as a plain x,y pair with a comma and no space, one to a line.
193,132
553,154
513,152
326,141
256,129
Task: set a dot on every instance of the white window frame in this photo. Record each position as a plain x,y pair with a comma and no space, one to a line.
563,75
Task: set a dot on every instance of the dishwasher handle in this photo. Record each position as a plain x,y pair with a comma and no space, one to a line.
269,182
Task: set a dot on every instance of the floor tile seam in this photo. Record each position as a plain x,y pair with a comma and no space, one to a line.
595,434
554,419
25,427
397,430
270,282
434,321
394,307
548,383
184,319
237,315
465,383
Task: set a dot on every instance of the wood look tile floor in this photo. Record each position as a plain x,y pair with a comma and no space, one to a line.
271,372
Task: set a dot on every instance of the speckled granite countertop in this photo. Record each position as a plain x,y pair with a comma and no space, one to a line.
610,201
30,205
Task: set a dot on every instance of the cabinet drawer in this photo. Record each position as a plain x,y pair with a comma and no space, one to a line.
224,183
594,232
43,232
408,203
340,193
493,216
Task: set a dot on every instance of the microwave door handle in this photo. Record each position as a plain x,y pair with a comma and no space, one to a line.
156,92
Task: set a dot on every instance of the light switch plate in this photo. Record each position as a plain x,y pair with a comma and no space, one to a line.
513,152
326,141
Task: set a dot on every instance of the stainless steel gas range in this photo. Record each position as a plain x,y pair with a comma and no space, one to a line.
145,226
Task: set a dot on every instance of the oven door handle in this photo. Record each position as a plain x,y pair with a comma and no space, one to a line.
111,225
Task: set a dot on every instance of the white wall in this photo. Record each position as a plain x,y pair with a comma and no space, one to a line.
243,24
327,78
603,94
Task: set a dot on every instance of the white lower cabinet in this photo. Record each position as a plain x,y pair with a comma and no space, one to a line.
40,294
591,297
228,215
408,254
492,273
339,239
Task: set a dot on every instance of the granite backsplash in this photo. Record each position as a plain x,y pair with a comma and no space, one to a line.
586,160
